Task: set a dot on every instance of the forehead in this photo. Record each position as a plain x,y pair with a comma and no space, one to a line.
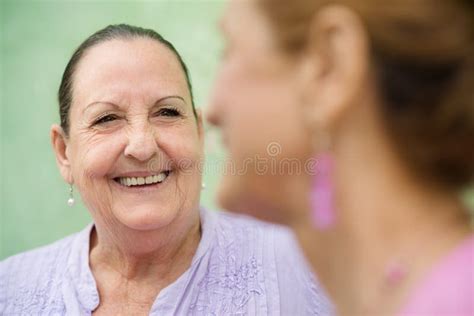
127,67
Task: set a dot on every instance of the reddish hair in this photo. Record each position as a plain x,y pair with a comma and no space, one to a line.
423,57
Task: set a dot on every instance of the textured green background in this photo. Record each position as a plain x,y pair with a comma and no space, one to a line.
37,40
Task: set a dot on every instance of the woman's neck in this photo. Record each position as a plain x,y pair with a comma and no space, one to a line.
143,258
131,268
385,218
392,241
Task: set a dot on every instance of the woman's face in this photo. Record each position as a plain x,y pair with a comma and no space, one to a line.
257,104
134,144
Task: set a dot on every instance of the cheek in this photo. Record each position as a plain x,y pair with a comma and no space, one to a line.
95,156
263,110
182,146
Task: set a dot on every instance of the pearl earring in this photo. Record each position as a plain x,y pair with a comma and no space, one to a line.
70,201
203,186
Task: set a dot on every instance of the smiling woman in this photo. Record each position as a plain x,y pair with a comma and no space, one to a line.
130,141
133,106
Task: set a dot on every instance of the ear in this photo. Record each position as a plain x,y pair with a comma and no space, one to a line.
59,141
335,64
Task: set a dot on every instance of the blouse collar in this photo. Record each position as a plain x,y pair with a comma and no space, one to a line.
82,279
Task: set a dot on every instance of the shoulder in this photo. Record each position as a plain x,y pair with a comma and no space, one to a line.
228,220
37,260
254,232
267,259
29,277
449,288
236,222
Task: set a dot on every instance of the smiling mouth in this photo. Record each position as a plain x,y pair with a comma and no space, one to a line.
143,181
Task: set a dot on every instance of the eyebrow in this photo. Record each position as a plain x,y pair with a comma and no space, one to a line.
116,106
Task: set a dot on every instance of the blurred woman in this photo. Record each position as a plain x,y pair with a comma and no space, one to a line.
363,114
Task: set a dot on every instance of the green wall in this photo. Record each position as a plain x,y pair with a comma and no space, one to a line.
37,40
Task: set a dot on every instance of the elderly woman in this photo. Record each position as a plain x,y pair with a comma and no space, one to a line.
378,95
130,141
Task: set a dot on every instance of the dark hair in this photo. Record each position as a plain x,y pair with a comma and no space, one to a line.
423,57
119,31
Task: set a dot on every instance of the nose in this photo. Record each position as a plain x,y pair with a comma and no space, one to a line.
213,113
141,143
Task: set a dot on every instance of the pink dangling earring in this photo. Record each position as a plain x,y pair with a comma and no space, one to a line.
321,199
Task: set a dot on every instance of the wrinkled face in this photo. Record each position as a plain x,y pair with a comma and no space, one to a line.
134,143
256,103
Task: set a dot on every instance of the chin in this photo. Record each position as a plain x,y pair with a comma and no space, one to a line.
147,218
237,197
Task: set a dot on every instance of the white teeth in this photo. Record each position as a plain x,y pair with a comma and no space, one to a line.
161,177
148,179
134,181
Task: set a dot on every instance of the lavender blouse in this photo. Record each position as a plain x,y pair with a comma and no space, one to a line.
241,267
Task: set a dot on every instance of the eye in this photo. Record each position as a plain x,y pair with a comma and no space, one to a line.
171,112
105,119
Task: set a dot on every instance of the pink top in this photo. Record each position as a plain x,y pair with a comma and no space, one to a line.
448,290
